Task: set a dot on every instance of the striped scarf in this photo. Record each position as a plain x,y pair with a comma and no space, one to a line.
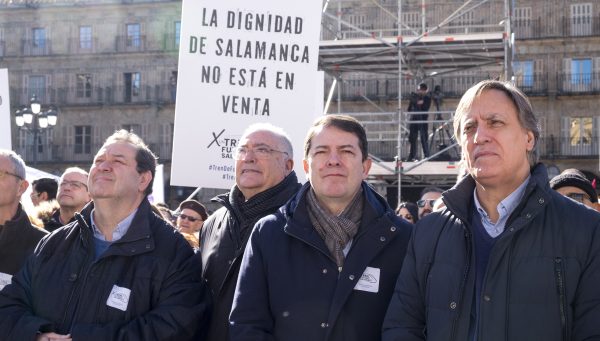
336,231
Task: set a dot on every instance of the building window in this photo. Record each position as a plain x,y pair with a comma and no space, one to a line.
84,85
85,37
522,22
580,132
523,72
133,82
37,87
83,140
39,38
581,71
177,33
581,19
133,35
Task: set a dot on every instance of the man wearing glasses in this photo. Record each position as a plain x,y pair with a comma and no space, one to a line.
264,181
428,197
191,215
72,196
43,189
18,237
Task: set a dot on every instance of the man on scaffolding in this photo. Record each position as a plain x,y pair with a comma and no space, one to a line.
419,102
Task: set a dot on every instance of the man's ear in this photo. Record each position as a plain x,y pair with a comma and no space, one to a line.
530,140
145,179
289,166
366,167
23,187
43,196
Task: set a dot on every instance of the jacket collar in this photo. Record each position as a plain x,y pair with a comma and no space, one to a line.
19,218
459,199
139,231
299,225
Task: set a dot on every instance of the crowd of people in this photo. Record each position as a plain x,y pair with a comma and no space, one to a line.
504,254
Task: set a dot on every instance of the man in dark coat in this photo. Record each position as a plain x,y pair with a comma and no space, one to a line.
119,272
324,266
18,237
264,182
418,102
508,258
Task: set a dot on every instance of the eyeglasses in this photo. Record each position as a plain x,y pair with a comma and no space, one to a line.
578,196
5,173
189,218
421,203
260,152
74,184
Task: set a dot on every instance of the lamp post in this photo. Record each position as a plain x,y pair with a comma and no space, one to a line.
34,120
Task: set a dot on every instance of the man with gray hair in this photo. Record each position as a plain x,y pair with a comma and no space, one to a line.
508,258
118,272
18,237
264,181
72,196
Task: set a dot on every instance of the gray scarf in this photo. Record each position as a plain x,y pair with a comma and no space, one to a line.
336,231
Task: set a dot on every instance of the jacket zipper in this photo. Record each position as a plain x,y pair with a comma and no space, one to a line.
462,286
560,287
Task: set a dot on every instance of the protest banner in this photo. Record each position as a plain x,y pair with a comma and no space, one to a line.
240,63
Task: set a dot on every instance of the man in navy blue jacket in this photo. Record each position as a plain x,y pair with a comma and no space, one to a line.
119,272
508,258
324,266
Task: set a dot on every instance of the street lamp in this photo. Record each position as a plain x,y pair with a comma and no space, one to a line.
34,120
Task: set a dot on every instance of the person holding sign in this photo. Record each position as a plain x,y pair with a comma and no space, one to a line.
18,237
264,181
323,267
119,272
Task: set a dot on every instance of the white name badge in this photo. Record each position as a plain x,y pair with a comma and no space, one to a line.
5,280
369,281
118,298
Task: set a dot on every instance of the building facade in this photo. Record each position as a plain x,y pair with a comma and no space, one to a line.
105,65
111,64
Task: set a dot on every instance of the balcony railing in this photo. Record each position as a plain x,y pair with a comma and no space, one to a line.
578,83
98,95
77,46
71,153
36,48
552,147
357,89
130,43
562,27
533,85
170,43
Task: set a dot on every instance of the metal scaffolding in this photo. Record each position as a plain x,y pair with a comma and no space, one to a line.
367,40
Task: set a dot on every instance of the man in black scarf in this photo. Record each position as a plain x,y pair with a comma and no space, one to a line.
264,181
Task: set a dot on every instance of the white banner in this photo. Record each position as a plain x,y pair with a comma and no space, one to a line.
5,123
241,62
